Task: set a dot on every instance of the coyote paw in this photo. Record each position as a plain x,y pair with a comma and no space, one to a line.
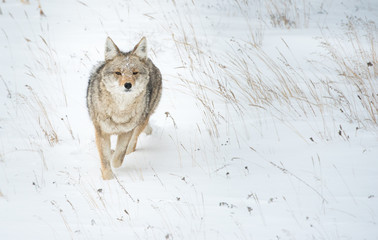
148,129
117,162
107,174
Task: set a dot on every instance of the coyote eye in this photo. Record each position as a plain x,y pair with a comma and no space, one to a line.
135,73
118,73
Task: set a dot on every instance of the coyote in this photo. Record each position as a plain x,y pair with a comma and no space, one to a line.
123,92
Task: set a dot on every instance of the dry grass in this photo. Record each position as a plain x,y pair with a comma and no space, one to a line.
45,75
354,57
36,108
288,14
195,61
251,81
240,81
256,30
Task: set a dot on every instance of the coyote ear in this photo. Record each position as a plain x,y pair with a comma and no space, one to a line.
111,50
140,49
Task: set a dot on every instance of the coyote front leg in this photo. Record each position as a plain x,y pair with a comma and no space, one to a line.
103,146
120,151
134,138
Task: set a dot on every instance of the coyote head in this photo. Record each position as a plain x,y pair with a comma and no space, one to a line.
125,72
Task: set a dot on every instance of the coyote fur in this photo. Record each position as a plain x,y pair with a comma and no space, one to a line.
123,92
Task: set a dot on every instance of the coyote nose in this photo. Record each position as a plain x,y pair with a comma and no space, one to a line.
128,85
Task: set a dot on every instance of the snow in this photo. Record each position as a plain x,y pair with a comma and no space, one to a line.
292,154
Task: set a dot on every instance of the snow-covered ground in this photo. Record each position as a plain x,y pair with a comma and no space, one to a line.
267,128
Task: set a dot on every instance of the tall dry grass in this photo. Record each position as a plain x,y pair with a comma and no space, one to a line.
251,81
353,55
45,92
